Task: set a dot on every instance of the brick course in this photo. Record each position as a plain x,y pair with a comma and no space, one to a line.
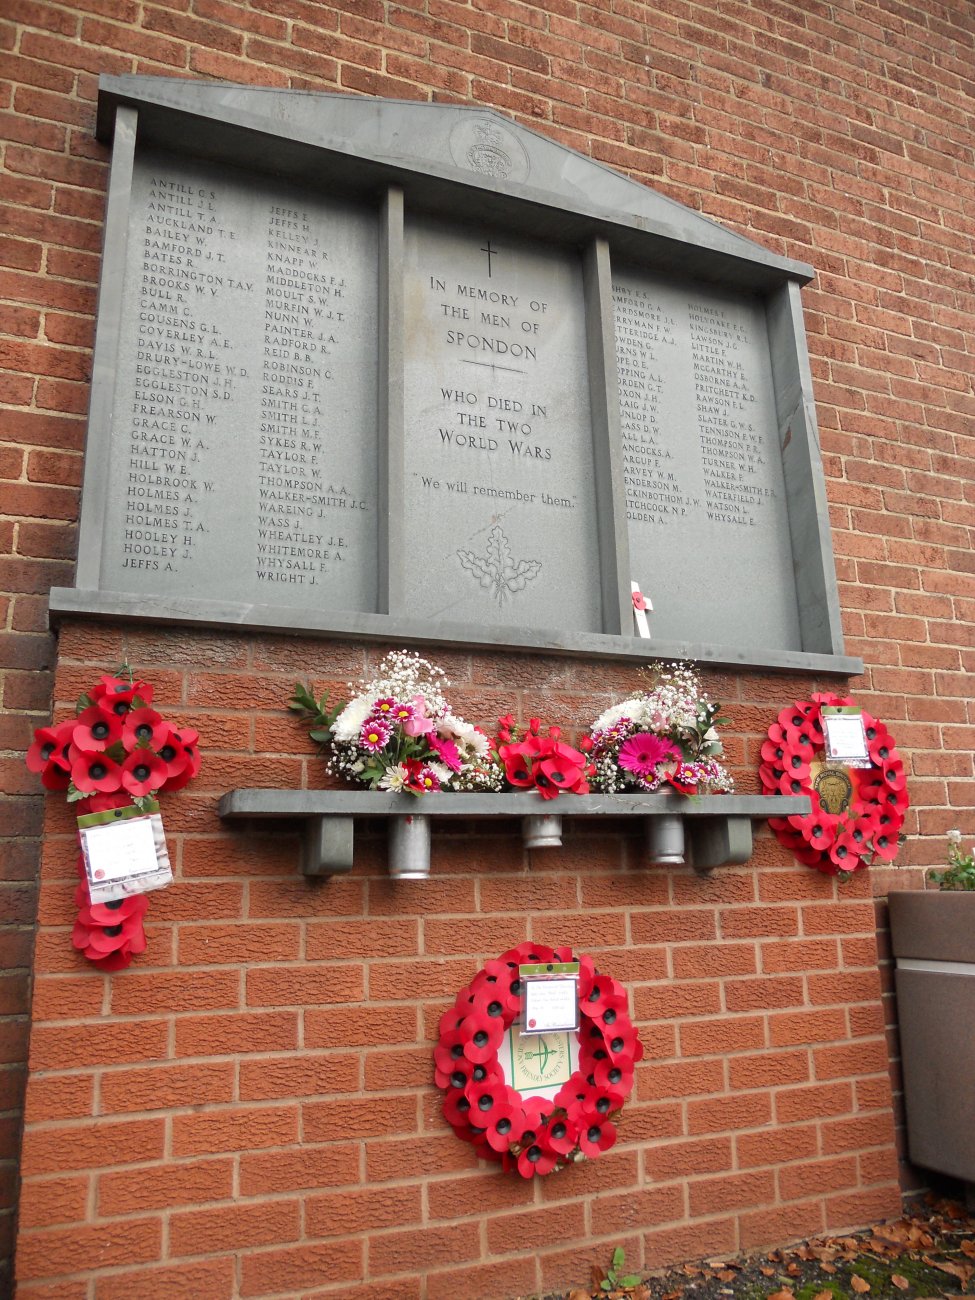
841,135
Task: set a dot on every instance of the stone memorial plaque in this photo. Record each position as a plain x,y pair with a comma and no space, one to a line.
498,485
244,430
705,492
413,372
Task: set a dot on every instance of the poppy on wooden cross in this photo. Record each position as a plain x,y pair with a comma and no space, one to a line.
641,604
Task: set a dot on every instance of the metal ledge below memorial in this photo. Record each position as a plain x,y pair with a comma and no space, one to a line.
718,828
70,602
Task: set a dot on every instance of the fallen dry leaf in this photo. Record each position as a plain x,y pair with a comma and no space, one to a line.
859,1285
726,1275
793,1270
767,1272
823,1295
901,1283
784,1294
968,1248
578,1295
827,1267
961,1271
673,1295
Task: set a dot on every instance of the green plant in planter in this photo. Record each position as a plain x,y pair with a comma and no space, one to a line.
960,872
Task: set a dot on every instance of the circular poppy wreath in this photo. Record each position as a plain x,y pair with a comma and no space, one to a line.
533,1135
870,802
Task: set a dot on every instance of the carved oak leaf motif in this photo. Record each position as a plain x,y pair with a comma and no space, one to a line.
497,570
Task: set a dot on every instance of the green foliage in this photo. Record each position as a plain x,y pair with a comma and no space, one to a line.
613,1281
317,712
960,872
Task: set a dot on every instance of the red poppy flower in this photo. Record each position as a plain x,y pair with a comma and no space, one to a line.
529,954
145,727
449,1050
564,773
492,1001
506,1125
795,714
537,1158
596,1135
790,783
485,1099
96,729
481,1036
51,755
457,1109
615,1076
111,913
894,775
119,694
103,802
844,851
621,1041
604,994
94,771
819,828
884,844
142,772
185,757
562,1135
517,761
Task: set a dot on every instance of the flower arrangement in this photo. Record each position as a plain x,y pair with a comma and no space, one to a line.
960,872
117,751
532,761
663,737
398,733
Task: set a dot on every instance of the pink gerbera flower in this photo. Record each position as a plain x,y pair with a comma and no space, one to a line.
643,753
447,751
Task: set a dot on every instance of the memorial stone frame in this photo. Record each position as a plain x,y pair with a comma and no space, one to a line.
413,372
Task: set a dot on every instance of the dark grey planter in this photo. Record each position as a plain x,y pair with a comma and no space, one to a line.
933,936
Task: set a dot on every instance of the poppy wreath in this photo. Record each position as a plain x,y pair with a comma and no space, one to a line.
117,751
843,842
534,1136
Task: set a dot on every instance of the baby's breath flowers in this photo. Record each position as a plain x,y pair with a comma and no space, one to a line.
665,736
398,733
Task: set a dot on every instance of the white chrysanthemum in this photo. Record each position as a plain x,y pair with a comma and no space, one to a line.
442,772
349,722
394,778
628,709
466,734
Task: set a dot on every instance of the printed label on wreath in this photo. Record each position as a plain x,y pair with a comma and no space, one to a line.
125,853
538,1064
846,740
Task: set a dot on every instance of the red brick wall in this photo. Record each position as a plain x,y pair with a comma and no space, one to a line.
838,133
252,1099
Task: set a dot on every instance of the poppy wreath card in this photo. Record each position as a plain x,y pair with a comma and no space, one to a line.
117,753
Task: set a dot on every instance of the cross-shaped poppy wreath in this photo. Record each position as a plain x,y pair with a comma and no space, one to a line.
529,1134
874,803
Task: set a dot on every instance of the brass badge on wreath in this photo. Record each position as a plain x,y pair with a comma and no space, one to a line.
834,787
